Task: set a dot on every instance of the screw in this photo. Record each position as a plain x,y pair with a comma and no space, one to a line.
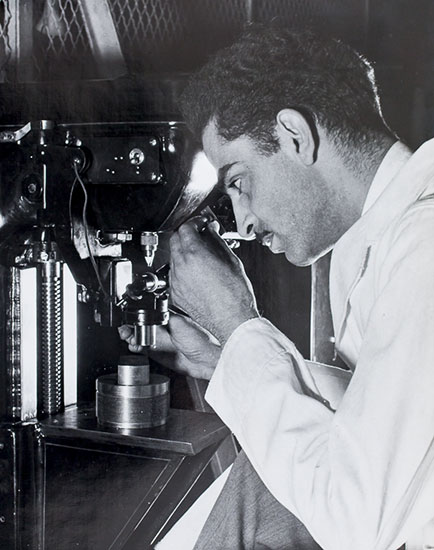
2,446
32,188
2,519
137,156
153,176
153,142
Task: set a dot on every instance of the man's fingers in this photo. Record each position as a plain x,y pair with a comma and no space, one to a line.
135,348
126,333
188,235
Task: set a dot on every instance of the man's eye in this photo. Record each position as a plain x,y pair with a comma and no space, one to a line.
235,185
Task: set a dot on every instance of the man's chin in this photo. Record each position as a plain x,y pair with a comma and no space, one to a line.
295,255
304,260
299,259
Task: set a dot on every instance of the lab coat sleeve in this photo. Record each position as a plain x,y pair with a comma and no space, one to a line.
360,477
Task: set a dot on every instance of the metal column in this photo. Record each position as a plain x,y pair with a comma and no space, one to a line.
50,324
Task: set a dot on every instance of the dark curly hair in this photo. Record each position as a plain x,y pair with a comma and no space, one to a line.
268,68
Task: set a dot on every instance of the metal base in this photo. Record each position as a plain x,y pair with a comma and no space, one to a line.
132,407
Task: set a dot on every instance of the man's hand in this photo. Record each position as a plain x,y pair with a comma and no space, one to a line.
183,346
208,281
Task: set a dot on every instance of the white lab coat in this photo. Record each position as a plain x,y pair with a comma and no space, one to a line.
360,477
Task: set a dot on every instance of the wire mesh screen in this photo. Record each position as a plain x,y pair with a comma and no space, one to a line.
61,41
166,35
147,20
63,25
153,36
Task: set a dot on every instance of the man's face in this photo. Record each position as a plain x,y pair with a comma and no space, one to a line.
276,198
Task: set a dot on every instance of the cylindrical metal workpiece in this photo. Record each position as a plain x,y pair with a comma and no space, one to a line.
50,291
133,370
132,407
145,335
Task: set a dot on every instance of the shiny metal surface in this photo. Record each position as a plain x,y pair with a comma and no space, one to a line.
138,406
50,290
107,384
149,244
145,335
133,370
13,342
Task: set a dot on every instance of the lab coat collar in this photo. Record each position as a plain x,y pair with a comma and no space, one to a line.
402,183
391,164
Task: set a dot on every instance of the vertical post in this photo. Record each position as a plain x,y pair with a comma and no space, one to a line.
12,334
17,344
50,324
3,342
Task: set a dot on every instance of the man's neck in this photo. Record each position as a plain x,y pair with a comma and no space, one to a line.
351,175
366,167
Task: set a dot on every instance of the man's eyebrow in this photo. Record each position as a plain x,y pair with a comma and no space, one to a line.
222,175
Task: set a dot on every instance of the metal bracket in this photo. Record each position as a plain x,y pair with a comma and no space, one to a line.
10,136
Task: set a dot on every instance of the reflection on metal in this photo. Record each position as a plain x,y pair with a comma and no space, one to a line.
29,347
149,244
50,290
104,42
136,156
69,337
14,136
13,342
132,398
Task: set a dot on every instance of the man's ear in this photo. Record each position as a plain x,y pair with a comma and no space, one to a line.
296,135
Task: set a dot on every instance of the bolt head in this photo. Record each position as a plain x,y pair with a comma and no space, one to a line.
136,156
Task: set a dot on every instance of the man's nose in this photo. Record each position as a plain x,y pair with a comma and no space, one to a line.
246,221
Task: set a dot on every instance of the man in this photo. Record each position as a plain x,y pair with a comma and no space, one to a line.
293,124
